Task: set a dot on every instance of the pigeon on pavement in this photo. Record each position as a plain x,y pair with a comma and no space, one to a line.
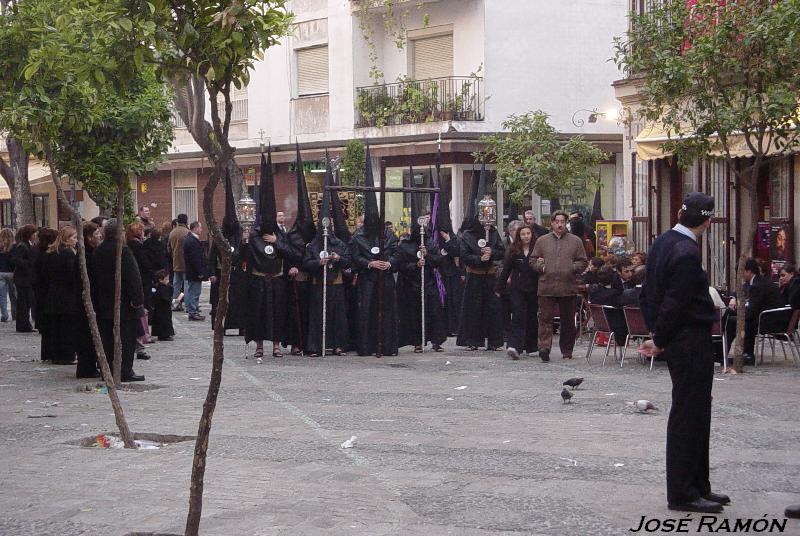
566,395
645,405
350,443
573,382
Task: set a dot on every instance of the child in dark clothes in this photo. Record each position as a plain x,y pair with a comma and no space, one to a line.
162,308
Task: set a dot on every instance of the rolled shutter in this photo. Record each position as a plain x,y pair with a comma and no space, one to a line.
312,71
433,57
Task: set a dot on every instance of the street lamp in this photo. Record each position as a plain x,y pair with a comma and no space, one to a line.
594,114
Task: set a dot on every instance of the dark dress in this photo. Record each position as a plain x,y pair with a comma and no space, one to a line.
40,297
480,311
409,295
297,291
266,290
336,323
61,309
453,278
365,250
237,290
24,256
523,293
162,312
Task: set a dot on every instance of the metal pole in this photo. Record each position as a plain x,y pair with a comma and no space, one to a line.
381,237
325,225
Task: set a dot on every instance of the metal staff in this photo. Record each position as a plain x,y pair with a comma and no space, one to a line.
421,255
326,222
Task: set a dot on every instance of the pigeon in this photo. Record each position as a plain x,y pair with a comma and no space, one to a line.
645,405
573,382
566,395
350,443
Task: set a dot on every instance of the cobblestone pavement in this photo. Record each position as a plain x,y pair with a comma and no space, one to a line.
461,443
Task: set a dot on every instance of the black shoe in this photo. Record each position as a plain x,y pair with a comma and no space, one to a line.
792,512
144,356
698,505
749,360
545,355
82,375
166,339
133,378
717,498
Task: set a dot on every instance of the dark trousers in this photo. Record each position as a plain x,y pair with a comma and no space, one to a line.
25,301
87,356
127,335
690,357
564,308
524,322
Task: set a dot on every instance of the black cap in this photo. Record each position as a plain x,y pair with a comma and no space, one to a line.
698,204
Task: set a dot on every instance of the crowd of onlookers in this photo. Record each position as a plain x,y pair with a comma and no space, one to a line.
40,278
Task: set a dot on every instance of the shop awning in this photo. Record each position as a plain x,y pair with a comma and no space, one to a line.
650,144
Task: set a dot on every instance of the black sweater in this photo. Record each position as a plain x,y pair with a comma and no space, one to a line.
675,295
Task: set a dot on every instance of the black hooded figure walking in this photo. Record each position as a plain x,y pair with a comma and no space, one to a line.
449,246
298,281
480,311
236,316
414,254
679,312
337,258
266,288
369,261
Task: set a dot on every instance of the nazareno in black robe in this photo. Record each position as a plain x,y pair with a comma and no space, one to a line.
409,295
336,323
266,313
480,309
297,289
452,276
365,250
237,291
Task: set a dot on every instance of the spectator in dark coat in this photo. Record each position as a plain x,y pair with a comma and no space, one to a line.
61,307
764,295
24,256
131,299
604,293
630,296
195,270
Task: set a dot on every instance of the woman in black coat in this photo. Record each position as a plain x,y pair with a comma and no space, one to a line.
23,256
524,286
45,238
61,288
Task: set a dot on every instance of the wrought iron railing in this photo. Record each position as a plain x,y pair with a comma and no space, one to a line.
420,101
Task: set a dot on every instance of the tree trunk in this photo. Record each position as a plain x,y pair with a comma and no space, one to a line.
86,295
204,427
118,280
15,174
748,182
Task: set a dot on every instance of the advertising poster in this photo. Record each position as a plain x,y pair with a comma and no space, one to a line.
779,242
761,246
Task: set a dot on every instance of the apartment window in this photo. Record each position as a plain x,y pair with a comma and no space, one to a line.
779,188
5,213
40,209
238,104
432,57
184,191
312,71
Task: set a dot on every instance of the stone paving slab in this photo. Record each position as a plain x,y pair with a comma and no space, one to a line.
502,456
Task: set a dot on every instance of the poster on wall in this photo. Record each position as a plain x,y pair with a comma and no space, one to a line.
779,242
761,245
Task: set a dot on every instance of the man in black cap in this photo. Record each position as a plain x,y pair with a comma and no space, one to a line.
679,312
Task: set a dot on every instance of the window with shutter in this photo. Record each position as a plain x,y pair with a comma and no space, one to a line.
184,182
433,57
312,71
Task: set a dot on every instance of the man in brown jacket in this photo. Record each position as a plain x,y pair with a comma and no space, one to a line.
559,256
176,240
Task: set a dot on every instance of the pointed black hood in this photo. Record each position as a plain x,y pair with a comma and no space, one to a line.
267,211
339,220
304,222
443,220
231,228
373,226
415,209
325,207
472,202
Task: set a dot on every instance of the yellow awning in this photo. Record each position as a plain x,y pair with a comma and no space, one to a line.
650,144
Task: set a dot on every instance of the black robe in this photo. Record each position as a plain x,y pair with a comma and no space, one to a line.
409,295
453,278
162,312
336,323
61,306
237,291
266,294
480,311
361,248
297,291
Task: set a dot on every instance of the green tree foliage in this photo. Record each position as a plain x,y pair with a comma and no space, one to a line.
352,170
531,157
722,79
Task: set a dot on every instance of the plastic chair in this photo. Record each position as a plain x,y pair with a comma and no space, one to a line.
762,335
601,325
637,329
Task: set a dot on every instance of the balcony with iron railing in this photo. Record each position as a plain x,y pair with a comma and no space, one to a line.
408,102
